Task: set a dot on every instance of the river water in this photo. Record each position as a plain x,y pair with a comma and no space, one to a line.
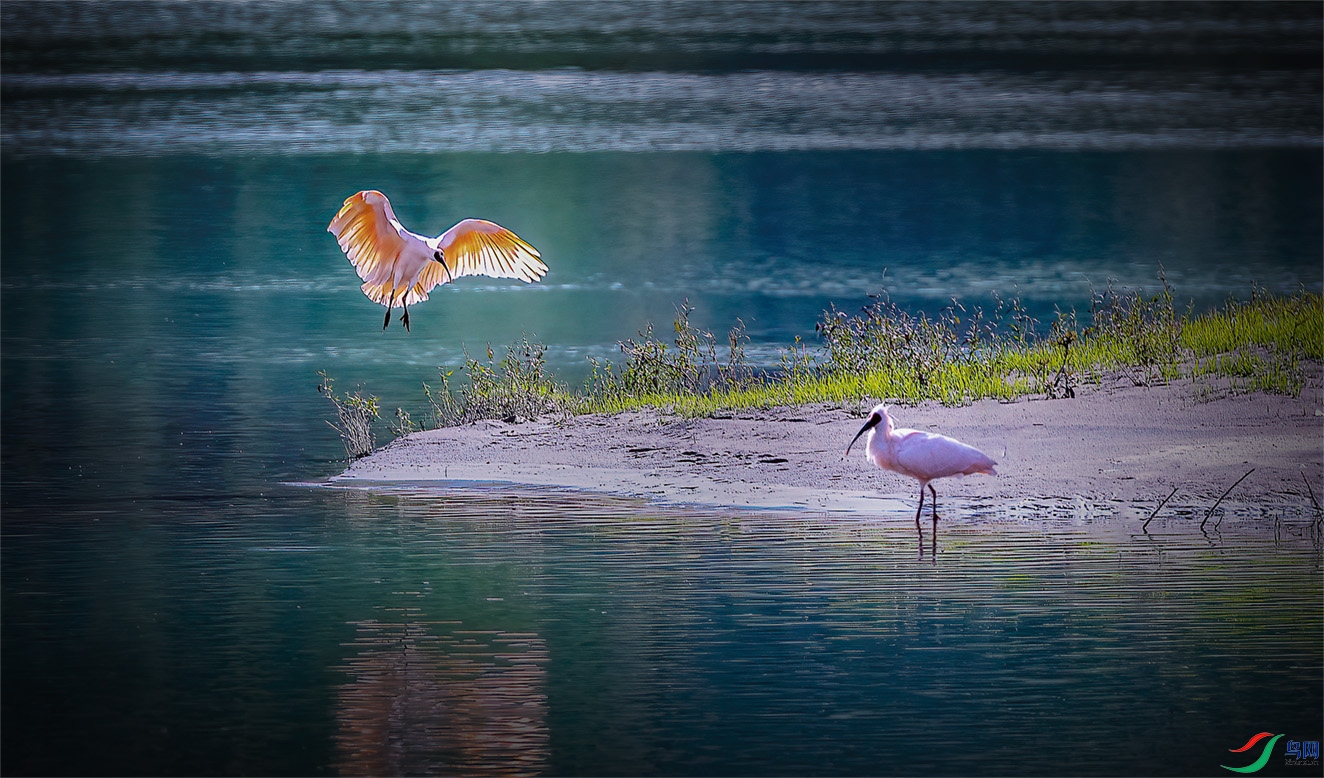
171,605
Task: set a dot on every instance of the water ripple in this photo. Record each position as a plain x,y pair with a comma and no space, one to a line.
509,111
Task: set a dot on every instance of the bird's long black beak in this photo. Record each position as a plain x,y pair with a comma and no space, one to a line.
437,257
874,421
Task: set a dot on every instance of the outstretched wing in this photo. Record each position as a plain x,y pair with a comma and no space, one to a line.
479,247
369,234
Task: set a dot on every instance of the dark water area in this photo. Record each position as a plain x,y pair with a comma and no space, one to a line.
237,78
689,35
170,604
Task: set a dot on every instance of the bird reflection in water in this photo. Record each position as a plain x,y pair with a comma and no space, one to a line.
461,702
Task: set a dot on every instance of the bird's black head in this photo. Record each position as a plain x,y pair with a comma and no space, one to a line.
437,256
874,420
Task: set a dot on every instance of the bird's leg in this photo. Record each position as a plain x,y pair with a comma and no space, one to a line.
389,302
919,510
935,522
405,318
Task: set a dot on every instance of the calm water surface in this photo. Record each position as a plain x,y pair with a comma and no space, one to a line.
303,631
171,605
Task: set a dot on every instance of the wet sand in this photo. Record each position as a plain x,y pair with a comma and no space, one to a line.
1112,442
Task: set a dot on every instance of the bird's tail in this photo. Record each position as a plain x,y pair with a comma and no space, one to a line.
384,292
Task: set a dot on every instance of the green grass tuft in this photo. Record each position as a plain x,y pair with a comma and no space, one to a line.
516,388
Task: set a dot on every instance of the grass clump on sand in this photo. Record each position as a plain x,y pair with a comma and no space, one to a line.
661,374
1267,343
517,388
355,414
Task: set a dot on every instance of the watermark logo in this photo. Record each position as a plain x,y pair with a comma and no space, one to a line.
1258,764
1300,753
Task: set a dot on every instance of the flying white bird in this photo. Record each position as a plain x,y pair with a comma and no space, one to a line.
923,456
399,267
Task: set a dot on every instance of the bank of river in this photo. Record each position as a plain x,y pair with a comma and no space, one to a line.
1115,442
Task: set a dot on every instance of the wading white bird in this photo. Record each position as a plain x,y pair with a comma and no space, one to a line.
399,267
923,456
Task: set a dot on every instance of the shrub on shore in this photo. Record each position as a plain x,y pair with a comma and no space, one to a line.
355,414
517,388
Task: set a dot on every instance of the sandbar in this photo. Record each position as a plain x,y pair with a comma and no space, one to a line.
1114,441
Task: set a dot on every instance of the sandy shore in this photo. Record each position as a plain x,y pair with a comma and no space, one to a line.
1115,442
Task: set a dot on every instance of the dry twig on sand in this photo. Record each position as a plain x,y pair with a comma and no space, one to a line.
1144,527
1220,499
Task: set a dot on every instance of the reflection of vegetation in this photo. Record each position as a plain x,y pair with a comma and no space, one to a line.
420,703
1267,343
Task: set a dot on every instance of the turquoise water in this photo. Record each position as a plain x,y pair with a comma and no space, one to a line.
172,605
